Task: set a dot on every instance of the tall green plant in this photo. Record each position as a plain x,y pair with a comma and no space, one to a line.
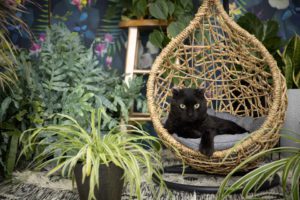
63,76
291,61
127,146
252,182
67,77
8,78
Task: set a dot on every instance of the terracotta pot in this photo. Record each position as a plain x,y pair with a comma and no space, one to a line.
110,179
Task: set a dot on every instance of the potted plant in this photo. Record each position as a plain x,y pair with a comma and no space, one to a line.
101,161
252,181
173,14
291,71
60,75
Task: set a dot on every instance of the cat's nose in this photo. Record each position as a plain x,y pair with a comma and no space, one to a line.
190,114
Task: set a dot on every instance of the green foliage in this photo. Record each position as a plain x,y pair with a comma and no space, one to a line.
8,18
67,78
266,32
140,8
64,77
159,9
177,12
156,38
127,146
291,59
252,181
175,28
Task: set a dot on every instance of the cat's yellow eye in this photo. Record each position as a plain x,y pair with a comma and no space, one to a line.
196,106
182,106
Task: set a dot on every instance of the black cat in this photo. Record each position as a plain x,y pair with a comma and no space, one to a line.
188,118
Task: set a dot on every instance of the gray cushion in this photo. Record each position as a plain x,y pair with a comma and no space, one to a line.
225,141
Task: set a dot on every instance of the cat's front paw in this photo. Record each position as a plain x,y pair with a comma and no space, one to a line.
206,151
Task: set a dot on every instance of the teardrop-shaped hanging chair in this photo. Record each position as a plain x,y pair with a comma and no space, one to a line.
240,77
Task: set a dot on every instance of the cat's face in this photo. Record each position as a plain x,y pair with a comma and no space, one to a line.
188,104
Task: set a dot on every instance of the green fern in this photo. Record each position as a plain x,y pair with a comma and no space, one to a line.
64,77
67,77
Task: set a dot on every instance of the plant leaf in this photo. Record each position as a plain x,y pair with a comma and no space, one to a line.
159,9
175,28
157,38
288,71
140,8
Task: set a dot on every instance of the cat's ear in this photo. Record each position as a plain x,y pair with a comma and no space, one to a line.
175,91
199,92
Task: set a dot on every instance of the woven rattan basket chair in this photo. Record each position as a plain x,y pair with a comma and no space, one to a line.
240,77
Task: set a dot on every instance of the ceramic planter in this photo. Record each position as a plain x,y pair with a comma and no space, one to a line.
292,121
110,179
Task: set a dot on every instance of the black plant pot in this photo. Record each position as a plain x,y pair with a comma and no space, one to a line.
110,187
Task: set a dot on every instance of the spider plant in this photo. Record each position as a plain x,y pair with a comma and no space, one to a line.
127,146
252,181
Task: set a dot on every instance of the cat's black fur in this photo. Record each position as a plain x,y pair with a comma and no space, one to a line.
191,122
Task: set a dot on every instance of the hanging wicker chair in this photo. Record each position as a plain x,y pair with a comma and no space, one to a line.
240,77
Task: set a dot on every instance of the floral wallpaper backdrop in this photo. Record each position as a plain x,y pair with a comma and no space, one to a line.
96,21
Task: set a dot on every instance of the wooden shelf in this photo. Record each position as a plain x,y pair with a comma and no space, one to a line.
141,71
135,116
143,23
139,118
140,114
131,66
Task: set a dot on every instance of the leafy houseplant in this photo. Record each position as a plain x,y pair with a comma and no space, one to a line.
251,182
71,73
176,13
291,60
267,33
291,71
264,31
125,146
8,77
60,75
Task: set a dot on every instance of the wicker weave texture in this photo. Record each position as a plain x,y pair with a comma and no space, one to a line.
240,77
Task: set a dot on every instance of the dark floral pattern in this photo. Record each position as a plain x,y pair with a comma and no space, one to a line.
88,20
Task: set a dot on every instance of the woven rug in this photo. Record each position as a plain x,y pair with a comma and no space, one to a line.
29,185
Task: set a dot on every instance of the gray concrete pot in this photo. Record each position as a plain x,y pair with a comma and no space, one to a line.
292,121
